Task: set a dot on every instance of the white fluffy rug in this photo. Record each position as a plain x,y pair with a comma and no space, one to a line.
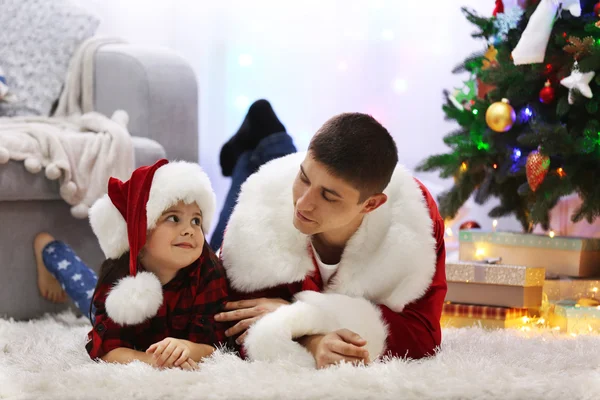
46,359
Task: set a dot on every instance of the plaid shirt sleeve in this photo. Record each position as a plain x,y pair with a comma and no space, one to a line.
210,298
106,335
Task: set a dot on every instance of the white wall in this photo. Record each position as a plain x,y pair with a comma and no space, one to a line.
311,60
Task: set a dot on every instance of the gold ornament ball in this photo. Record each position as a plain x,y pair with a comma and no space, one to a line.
500,116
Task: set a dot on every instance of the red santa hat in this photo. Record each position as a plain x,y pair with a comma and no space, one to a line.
122,217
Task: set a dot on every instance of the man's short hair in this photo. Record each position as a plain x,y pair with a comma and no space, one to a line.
358,149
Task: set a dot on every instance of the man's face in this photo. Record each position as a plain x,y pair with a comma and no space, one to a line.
322,202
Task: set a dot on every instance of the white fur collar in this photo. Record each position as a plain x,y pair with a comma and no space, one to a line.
390,260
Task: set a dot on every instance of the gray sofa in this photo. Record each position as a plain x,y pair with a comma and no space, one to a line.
159,91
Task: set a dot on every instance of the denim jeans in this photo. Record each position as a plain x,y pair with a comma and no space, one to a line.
273,146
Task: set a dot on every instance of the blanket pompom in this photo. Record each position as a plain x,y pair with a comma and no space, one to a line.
4,155
68,190
52,172
80,211
33,165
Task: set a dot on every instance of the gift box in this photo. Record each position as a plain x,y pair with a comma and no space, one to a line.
571,289
494,284
568,256
575,319
463,315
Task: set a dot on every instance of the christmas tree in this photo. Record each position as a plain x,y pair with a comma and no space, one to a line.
528,116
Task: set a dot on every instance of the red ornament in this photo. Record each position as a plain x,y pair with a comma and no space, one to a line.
499,8
547,93
597,9
469,225
536,168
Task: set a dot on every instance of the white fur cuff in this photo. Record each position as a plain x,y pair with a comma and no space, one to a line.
272,337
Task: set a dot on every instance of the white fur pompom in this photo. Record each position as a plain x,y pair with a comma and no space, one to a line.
134,299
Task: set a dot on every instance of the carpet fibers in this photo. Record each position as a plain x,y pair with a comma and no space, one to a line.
46,359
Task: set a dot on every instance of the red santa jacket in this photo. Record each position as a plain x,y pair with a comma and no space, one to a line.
389,288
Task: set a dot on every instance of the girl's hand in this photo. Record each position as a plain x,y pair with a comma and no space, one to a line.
170,352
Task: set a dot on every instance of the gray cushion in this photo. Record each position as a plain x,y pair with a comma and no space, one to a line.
16,183
38,39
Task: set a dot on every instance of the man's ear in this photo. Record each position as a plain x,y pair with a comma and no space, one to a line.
374,202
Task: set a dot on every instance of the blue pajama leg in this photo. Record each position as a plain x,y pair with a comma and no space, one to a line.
77,279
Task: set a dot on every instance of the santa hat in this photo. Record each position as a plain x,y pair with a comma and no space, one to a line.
122,217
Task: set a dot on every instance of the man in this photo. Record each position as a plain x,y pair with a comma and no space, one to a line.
351,239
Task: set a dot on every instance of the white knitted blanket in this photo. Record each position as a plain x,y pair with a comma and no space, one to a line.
77,146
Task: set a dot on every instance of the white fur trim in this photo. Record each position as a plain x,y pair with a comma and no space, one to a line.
181,181
172,182
272,337
134,299
109,227
390,260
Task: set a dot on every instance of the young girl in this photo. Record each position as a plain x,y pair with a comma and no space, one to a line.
161,285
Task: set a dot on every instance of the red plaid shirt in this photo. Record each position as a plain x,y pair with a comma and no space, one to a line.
190,301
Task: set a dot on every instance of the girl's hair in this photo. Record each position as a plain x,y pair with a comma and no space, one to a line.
111,271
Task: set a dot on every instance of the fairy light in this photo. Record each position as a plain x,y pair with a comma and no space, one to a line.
551,234
480,252
449,232
595,289
516,154
494,225
495,166
561,172
463,166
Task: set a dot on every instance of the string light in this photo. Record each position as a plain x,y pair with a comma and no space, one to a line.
495,166
551,234
516,154
242,102
475,111
449,232
387,34
245,60
494,225
400,85
463,166
480,252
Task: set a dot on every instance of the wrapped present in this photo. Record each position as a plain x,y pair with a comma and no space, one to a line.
571,289
568,256
494,284
463,315
575,319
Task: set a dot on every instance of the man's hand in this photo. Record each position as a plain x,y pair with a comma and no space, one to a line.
334,347
170,352
189,365
247,312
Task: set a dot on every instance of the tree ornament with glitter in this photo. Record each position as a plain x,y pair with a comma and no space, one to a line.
536,168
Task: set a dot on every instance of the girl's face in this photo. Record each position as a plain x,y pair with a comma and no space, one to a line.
176,241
